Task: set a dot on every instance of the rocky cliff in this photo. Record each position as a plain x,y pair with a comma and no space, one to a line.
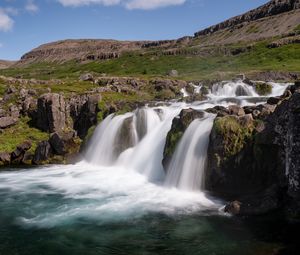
271,8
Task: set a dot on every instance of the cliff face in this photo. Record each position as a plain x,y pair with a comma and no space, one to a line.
271,8
80,50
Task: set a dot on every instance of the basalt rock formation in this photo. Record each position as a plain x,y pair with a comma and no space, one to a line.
254,161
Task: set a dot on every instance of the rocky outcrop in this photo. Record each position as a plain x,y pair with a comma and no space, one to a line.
18,154
255,161
83,110
179,125
271,8
51,113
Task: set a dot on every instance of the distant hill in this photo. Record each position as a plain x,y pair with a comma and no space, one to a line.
5,64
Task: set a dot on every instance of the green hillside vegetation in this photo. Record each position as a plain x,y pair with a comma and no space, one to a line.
190,67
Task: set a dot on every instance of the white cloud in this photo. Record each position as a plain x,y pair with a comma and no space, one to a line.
129,4
77,3
6,22
31,6
151,4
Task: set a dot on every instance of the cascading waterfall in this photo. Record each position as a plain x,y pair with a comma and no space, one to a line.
122,175
186,168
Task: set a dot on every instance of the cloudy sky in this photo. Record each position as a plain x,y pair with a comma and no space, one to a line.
25,24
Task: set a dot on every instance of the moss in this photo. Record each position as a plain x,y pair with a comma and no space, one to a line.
263,88
233,134
172,141
17,134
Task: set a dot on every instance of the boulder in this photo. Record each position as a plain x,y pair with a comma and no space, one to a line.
86,77
42,153
2,113
51,113
6,122
62,142
4,158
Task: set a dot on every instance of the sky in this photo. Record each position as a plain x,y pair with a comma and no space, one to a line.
26,24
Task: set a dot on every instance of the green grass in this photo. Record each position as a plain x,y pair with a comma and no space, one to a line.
259,58
15,135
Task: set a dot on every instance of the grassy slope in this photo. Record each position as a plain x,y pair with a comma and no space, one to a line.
260,58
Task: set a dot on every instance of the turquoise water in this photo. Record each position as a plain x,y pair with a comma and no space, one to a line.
85,210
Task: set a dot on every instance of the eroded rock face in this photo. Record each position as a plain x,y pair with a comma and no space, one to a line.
63,142
179,125
51,113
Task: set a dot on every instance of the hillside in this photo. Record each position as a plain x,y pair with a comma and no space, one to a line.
263,39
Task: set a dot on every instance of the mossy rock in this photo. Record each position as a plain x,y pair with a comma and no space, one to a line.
263,88
233,133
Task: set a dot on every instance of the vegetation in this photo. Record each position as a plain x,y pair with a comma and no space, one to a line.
263,88
234,135
16,135
190,67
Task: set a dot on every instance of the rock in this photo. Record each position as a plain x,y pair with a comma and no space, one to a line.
42,153
263,88
248,82
62,143
221,111
236,110
233,208
274,100
86,77
2,113
83,110
246,121
14,111
125,137
173,73
179,125
29,106
4,158
51,113
18,154
6,122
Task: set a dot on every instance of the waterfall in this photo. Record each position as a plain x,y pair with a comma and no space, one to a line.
111,138
232,89
187,166
135,141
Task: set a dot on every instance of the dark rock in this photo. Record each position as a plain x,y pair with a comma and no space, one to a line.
274,100
62,143
18,154
233,208
42,153
6,122
83,110
51,113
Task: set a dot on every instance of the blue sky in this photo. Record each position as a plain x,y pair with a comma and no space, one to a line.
25,24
